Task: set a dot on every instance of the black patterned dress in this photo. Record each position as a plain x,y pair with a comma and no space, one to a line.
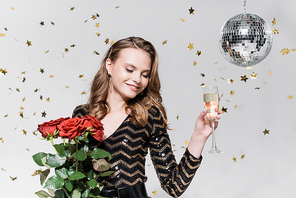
129,145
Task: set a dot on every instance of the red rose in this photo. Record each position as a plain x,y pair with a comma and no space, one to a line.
96,125
71,128
50,127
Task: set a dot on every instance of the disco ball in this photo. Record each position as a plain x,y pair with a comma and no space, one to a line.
245,40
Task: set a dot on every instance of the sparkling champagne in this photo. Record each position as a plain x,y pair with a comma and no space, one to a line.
211,103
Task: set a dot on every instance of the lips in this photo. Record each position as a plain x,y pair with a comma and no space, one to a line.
133,87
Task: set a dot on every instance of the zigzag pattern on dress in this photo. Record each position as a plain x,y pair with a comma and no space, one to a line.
129,146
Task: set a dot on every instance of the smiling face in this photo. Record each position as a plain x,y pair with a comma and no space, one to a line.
129,73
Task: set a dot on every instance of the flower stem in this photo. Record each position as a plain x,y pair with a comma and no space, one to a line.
51,140
76,140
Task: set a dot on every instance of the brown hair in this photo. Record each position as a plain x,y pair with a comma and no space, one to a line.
139,105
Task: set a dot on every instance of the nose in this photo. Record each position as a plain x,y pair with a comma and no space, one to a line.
137,77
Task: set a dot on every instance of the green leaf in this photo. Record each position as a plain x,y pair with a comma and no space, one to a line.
43,176
76,194
90,175
69,185
59,193
107,173
63,173
54,182
37,158
85,194
80,156
60,149
42,194
99,153
55,160
101,165
85,148
77,175
92,183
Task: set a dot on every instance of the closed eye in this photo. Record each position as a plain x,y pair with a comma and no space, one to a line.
129,70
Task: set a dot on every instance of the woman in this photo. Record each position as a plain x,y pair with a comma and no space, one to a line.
125,97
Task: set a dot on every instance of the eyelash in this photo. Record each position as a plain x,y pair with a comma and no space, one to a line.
145,76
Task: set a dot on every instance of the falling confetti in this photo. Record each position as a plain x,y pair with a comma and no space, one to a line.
230,81
41,70
274,21
243,156
177,117
186,142
290,97
24,132
253,75
29,43
2,35
244,78
37,172
43,114
275,31
194,63
80,76
106,41
164,42
234,159
42,23
191,10
1,139
190,46
198,53
232,93
285,51
83,93
154,192
97,25
3,71
266,131
202,85
224,110
47,99
202,75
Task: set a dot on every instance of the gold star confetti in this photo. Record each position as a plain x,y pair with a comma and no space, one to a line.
37,172
250,67
274,21
257,88
24,80
202,75
3,169
198,53
27,149
29,43
35,132
98,34
183,20
186,142
34,113
73,45
52,23
112,42
191,10
97,53
12,8
1,139
290,97
253,75
83,93
67,87
41,97
24,72
23,99
222,78
266,131
275,31
194,63
80,76
41,70
17,89
36,90
43,114
244,78
224,110
24,132
3,71
22,114
71,9
66,50
13,178
235,106
154,192
230,81
164,42
269,72
46,51
215,79
285,51
202,85
234,159
106,41
22,108
2,35
242,156
5,116
42,23
97,25
51,76
232,93
294,49
190,46
47,99
177,117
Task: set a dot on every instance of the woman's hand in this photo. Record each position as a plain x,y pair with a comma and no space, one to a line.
202,131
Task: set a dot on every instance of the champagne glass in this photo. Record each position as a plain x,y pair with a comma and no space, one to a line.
211,103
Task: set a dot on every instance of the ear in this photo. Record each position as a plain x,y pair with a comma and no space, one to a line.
109,65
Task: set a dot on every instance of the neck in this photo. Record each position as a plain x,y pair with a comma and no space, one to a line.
116,103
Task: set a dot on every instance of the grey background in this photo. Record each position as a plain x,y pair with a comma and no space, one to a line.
268,169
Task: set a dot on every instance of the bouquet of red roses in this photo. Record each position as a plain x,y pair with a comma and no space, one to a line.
75,161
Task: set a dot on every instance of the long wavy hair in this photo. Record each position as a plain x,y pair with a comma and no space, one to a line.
139,105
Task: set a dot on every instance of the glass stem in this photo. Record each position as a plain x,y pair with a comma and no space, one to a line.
213,136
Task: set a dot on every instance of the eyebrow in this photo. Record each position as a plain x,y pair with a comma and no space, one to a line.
148,70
